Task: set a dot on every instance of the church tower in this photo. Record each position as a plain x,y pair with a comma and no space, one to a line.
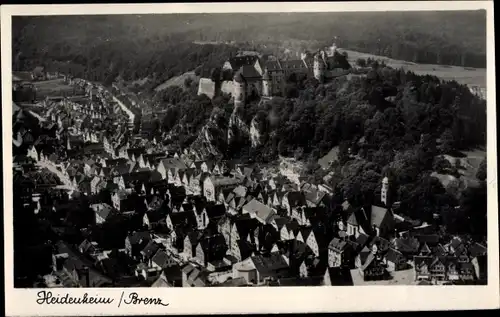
384,193
319,67
266,85
239,89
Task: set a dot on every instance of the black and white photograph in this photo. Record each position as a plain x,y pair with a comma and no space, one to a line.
250,149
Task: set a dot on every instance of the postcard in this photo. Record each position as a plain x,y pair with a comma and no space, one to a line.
199,158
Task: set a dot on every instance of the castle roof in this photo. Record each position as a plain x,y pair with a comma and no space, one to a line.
293,64
239,61
249,71
272,66
238,77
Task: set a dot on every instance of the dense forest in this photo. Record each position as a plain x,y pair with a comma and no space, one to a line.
161,46
388,122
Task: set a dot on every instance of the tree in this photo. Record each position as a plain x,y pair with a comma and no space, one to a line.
188,81
361,62
447,142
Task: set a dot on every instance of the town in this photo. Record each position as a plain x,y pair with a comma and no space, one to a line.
126,210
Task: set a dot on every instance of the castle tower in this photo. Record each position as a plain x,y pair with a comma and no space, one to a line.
239,89
384,193
266,85
333,49
318,67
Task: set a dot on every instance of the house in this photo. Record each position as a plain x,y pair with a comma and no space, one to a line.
337,276
242,227
287,228
102,212
382,221
293,200
235,204
224,227
357,223
152,218
214,184
395,260
277,199
192,181
191,242
313,238
135,242
169,166
309,216
162,260
241,250
87,247
340,254
371,268
452,269
257,269
454,245
407,246
421,267
466,271
316,198
264,214
194,276
79,274
169,277
437,268
180,219
211,249
149,251
425,250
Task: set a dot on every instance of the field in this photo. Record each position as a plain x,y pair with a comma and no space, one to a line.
463,75
177,81
329,157
52,88
469,167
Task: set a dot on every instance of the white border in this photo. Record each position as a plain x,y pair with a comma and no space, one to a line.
20,302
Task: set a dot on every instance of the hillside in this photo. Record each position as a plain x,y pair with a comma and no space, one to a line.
135,46
463,75
177,81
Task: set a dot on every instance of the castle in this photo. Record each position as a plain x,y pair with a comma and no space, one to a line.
245,76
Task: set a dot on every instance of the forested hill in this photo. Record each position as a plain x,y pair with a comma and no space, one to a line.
136,45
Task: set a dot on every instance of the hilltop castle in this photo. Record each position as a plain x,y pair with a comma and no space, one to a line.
250,75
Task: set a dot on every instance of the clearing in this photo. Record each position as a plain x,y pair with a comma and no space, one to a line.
469,166
53,88
463,75
177,81
331,156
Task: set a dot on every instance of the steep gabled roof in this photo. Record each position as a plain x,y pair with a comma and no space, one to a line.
393,255
215,211
338,245
270,264
296,198
379,216
245,60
